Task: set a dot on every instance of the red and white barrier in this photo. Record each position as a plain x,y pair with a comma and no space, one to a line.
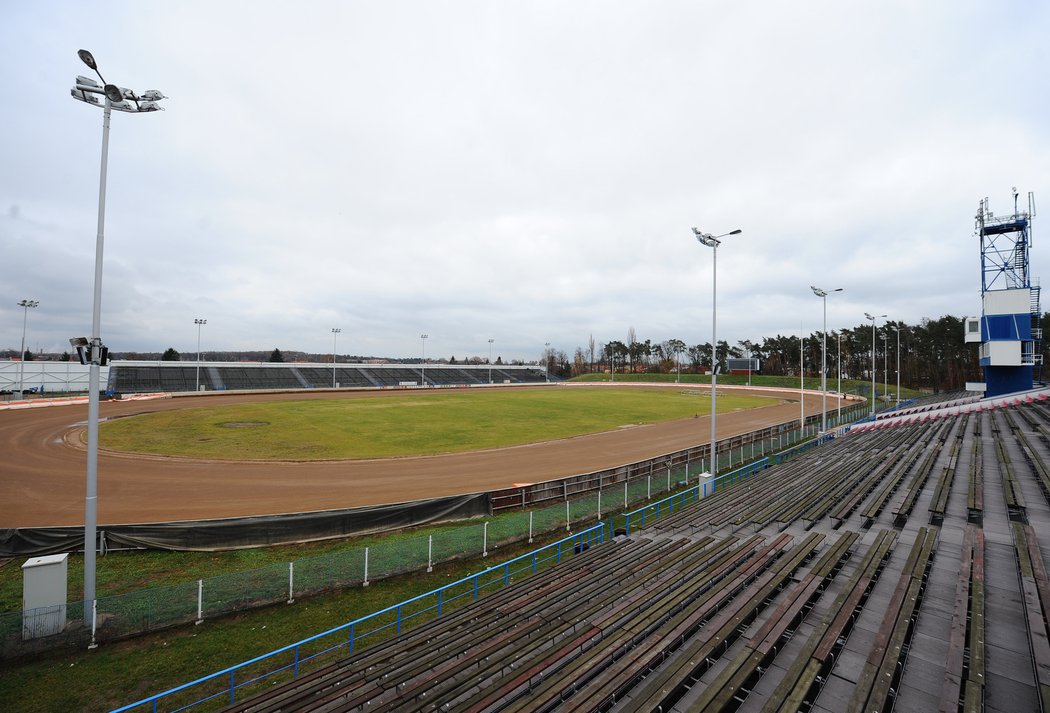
71,400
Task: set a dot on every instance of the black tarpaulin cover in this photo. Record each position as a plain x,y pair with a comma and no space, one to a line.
236,532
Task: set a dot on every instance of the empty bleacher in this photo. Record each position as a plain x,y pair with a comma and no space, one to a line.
855,577
129,377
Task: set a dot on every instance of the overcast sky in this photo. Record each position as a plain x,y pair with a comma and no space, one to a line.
527,172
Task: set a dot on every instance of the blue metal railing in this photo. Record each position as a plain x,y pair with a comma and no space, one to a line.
690,496
347,635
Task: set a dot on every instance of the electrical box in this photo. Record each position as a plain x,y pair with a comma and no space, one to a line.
44,591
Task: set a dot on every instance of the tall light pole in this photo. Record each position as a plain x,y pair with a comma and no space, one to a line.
490,360
713,241
885,365
747,348
873,317
547,362
335,337
823,295
200,323
838,408
898,330
423,371
87,90
802,383
26,305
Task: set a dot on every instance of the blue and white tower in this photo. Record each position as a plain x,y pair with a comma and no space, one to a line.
1008,330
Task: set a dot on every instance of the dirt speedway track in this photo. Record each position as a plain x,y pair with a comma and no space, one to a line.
43,464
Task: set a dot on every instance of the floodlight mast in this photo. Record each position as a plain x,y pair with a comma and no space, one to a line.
423,360
86,90
335,337
713,241
26,305
873,317
199,322
823,295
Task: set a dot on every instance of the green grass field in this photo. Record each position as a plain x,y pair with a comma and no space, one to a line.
424,423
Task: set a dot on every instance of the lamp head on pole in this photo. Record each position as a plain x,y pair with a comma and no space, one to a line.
712,241
120,98
88,59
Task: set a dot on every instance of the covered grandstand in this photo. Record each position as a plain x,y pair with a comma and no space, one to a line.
129,377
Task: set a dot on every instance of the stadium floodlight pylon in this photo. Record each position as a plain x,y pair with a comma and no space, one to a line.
88,91
713,241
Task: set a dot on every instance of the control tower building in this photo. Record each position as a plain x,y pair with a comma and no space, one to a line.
1008,328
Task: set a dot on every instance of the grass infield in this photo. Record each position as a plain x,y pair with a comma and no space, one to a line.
424,423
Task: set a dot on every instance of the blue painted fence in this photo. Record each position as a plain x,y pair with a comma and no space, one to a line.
224,685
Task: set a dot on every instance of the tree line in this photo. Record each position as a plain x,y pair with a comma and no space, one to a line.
932,354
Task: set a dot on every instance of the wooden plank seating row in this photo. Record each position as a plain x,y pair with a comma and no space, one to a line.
735,681
939,501
715,508
1039,468
841,480
544,680
810,482
1035,596
803,680
762,494
566,621
550,620
736,505
816,488
893,481
975,486
1015,502
667,683
864,487
859,468
355,673
963,689
593,614
1038,416
885,663
918,482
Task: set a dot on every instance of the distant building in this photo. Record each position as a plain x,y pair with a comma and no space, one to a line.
743,366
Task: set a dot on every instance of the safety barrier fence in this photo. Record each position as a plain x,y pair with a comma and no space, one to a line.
281,664
144,610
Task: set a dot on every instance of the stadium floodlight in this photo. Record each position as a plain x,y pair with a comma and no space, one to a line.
423,371
898,330
713,241
335,337
546,362
823,295
873,317
26,305
87,90
200,323
490,360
